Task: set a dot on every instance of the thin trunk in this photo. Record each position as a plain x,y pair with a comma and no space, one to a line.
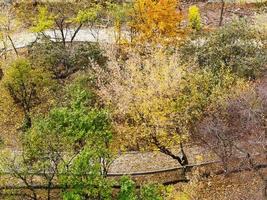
265,150
60,26
1,74
76,32
13,45
63,37
184,157
222,12
49,191
27,121
264,193
265,136
5,49
168,152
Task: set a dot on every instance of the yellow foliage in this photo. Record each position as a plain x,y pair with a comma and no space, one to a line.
153,97
155,21
44,20
194,18
143,96
22,89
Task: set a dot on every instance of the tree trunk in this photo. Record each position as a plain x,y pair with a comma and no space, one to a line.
49,191
265,150
27,121
222,12
1,74
264,192
13,45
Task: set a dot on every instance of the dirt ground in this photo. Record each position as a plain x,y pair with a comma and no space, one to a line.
210,11
240,186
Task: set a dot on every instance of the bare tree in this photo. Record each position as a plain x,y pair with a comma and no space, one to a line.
236,133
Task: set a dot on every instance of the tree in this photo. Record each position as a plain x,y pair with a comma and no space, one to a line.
155,21
153,192
235,131
68,149
155,103
120,14
64,19
26,86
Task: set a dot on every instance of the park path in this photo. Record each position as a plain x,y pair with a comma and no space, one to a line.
103,35
210,17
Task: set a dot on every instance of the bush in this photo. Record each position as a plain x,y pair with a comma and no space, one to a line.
146,192
64,61
194,18
86,53
151,192
236,46
127,191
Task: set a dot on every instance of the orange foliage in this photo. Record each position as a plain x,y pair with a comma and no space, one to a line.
156,20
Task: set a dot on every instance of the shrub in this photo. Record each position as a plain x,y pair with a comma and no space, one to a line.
64,61
86,53
127,191
146,192
236,46
194,18
151,192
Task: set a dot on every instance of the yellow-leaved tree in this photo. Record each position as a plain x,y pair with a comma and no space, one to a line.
155,103
156,21
26,87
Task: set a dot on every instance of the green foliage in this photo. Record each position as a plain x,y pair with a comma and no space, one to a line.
85,177
146,192
244,54
194,18
72,141
80,90
119,12
21,72
88,15
44,20
199,91
71,196
64,61
151,192
26,85
87,53
127,191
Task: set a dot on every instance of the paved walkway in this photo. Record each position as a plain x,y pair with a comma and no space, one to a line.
104,35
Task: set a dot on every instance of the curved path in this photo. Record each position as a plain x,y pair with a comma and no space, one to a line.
106,35
103,35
